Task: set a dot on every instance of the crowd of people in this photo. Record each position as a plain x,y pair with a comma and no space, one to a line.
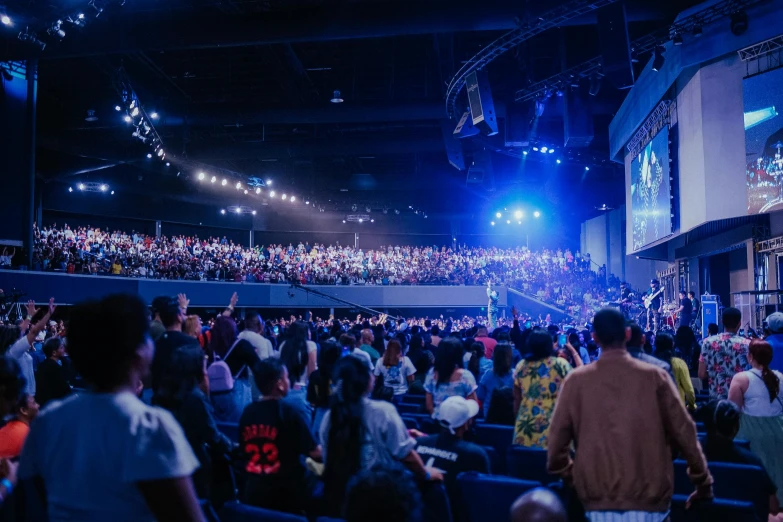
559,277
315,404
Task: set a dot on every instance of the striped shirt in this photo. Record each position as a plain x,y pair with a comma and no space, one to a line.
626,516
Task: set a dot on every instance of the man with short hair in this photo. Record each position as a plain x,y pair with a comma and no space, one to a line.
273,434
685,310
448,450
621,415
367,339
52,378
635,345
775,339
482,336
172,315
724,355
435,339
695,306
538,505
254,334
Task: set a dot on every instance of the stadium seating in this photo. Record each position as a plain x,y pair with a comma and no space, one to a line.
404,408
236,512
426,423
497,465
410,423
732,482
497,436
229,429
412,398
436,502
489,497
528,464
718,510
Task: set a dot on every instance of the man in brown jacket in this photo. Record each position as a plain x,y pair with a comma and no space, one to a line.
622,414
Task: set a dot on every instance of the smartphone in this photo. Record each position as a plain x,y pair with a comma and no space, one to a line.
276,330
561,340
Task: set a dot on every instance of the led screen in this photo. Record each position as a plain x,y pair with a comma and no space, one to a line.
650,192
764,141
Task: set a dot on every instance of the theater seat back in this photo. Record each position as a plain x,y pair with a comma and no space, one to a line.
528,464
489,497
237,512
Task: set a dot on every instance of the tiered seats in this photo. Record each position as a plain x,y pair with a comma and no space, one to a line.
489,497
497,436
528,464
718,510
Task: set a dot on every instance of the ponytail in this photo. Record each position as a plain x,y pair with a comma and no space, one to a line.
762,354
346,428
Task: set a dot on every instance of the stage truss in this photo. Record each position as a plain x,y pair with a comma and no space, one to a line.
762,57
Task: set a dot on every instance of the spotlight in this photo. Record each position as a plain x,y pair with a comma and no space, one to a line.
519,222
104,188
272,194
254,212
658,59
112,192
222,211
5,20
269,182
81,186
56,29
117,108
132,104
551,151
372,221
154,115
224,182
307,202
127,119
169,165
258,190
245,191
239,185
293,198
135,112
508,222
544,149
536,214
336,98
160,152
396,212
284,197
361,220
367,209
214,179
739,23
80,16
524,153
498,215
492,223
587,168
70,189
677,39
343,221
535,149
149,155
518,214
239,210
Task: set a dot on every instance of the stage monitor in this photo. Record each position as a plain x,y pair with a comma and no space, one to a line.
763,95
651,209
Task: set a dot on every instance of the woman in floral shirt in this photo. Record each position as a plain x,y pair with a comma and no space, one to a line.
537,382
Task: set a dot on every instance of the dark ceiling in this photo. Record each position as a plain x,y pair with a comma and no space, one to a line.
243,89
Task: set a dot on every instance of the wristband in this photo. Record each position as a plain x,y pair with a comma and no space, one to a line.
10,487
29,318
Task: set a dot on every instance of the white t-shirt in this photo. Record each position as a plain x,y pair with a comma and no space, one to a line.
92,449
396,377
311,348
262,345
363,356
20,351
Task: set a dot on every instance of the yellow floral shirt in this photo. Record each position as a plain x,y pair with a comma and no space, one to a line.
539,382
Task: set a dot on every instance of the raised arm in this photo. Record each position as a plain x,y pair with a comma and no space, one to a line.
230,308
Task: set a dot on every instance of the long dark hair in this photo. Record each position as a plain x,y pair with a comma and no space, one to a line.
294,351
346,426
539,345
327,360
448,359
476,353
222,336
762,354
182,376
664,347
393,354
501,359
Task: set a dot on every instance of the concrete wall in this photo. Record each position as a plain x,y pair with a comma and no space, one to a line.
69,289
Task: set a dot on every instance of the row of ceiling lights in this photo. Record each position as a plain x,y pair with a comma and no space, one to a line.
518,217
92,187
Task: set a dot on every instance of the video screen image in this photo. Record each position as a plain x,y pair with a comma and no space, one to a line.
764,141
650,192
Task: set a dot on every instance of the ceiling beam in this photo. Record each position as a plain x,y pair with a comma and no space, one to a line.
165,31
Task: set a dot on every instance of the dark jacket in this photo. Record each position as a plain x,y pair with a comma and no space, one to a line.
51,382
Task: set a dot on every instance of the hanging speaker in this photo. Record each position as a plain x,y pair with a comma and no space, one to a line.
481,106
615,45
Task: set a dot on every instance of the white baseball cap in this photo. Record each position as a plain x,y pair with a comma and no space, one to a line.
456,411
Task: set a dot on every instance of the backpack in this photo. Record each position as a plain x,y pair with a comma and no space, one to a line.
219,374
